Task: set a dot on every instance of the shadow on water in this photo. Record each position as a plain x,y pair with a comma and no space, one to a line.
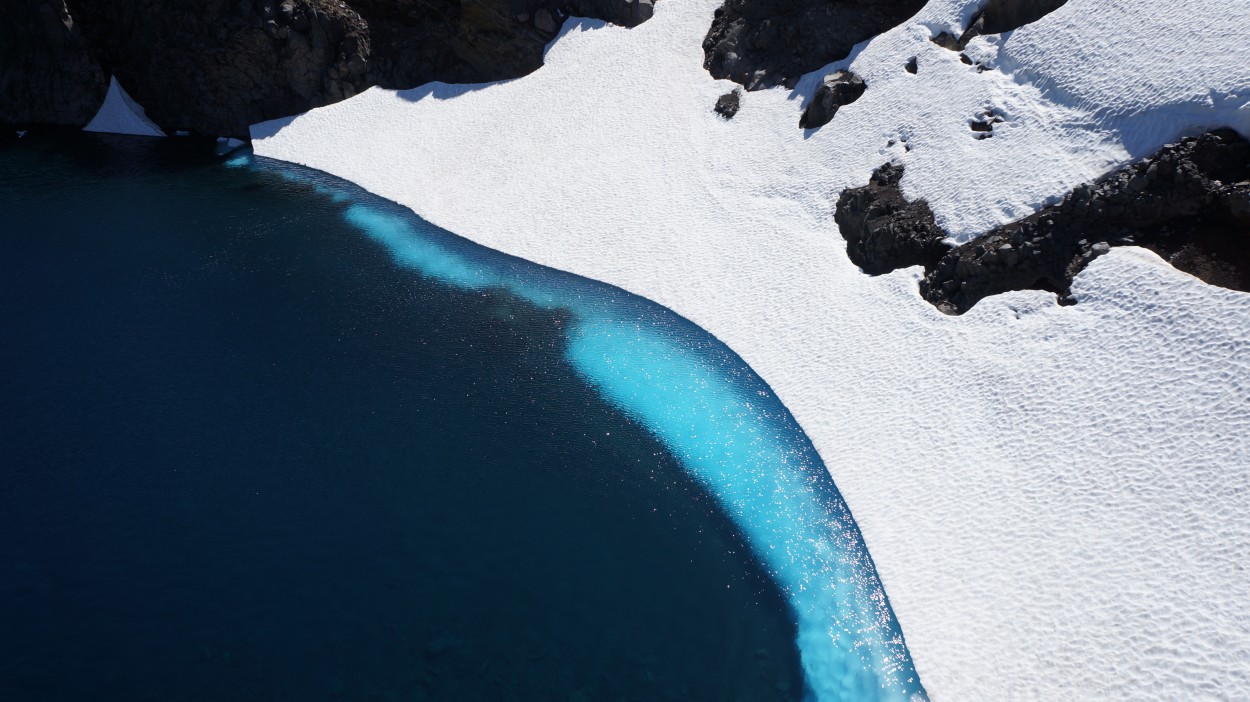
254,457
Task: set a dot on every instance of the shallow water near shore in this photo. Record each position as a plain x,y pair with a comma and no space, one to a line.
270,437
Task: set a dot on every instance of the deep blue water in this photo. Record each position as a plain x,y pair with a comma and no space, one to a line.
266,437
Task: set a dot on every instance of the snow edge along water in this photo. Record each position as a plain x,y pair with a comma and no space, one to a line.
980,556
1012,470
719,419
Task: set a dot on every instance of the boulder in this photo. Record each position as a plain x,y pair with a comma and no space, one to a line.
835,91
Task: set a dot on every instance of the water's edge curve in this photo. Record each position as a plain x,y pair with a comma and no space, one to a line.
715,414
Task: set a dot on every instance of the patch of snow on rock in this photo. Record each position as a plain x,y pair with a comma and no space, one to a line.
120,114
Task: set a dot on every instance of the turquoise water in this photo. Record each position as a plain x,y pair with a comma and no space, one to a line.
271,437
725,427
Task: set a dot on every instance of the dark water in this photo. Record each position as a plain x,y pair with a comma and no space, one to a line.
245,456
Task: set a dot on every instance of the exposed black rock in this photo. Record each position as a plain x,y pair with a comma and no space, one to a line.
1006,15
418,41
836,90
983,124
627,13
884,231
1190,203
766,43
727,104
217,66
47,74
912,65
999,16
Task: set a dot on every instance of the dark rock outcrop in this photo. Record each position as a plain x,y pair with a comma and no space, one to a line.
47,75
884,231
727,104
1190,203
627,13
766,43
836,90
1006,15
418,41
217,66
999,16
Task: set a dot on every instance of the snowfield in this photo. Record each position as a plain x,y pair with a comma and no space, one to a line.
1057,499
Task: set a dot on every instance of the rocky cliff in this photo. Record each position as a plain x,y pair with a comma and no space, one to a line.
216,66
47,73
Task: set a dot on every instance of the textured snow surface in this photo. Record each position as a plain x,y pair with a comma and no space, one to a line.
120,114
1057,499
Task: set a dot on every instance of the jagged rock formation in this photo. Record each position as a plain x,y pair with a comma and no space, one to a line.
1000,16
836,90
1190,203
47,75
766,43
217,66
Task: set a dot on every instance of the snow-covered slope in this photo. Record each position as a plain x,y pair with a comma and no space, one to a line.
1057,499
120,114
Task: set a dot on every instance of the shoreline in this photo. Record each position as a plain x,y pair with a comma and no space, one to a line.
971,451
721,422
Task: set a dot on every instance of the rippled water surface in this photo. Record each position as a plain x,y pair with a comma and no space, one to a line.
247,456
268,437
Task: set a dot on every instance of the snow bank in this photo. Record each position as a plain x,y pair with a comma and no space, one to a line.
120,114
1056,499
